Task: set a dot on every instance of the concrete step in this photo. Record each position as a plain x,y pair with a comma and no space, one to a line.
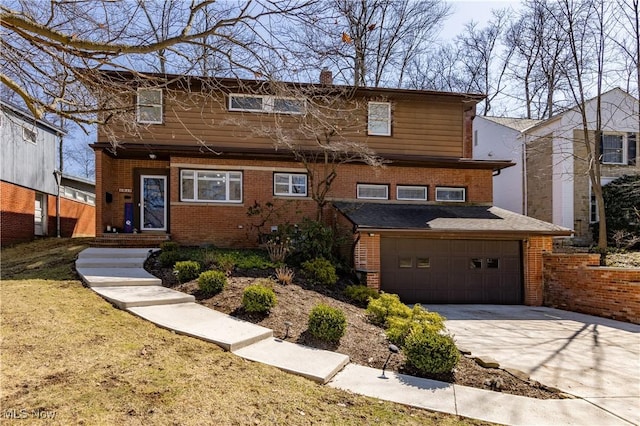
199,321
109,253
97,262
113,277
129,297
315,364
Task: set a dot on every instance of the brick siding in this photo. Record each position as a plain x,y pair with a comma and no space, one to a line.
533,251
575,282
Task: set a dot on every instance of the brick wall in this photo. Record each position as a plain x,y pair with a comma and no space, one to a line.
17,205
76,219
533,251
575,282
366,258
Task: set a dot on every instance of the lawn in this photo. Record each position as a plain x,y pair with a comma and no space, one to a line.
66,353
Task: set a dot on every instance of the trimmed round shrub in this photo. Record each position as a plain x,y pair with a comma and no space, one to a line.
169,258
320,271
398,328
360,294
387,305
430,352
169,246
258,298
212,282
327,323
186,270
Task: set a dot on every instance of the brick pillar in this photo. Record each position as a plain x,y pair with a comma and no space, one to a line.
367,258
99,192
533,249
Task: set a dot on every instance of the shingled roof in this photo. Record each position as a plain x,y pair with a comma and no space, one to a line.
444,218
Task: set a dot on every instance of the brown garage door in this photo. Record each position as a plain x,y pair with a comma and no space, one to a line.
452,271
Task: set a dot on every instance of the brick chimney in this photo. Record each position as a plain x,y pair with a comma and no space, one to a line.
326,77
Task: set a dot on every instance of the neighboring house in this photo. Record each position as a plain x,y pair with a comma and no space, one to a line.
423,225
29,182
550,180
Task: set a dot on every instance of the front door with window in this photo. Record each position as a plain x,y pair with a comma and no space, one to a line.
153,211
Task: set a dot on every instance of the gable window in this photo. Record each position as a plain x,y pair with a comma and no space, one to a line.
379,122
149,106
618,148
211,186
29,134
411,193
290,184
457,195
259,103
372,192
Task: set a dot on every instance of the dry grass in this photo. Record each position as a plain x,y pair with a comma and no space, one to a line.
65,351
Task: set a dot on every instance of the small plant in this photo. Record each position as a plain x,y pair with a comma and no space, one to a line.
208,259
284,275
168,259
320,271
398,328
212,282
385,306
259,298
327,323
226,263
360,294
169,246
277,250
186,270
431,352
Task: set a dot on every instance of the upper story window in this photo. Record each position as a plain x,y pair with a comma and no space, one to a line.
260,103
211,186
411,193
290,184
450,194
29,134
379,122
372,192
149,106
618,148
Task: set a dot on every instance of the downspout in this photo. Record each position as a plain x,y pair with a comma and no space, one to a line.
58,176
525,190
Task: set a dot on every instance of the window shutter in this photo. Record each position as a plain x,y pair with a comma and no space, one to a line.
601,147
631,149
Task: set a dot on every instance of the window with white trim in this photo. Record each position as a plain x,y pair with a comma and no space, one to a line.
379,122
411,193
149,106
213,186
290,184
618,148
263,103
372,192
593,207
451,194
29,134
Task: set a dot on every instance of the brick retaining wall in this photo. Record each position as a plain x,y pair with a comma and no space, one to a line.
575,282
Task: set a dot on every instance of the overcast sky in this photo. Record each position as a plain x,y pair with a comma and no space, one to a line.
464,11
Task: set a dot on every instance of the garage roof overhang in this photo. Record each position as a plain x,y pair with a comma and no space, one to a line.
439,220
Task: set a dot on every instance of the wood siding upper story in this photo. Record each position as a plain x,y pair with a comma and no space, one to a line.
425,125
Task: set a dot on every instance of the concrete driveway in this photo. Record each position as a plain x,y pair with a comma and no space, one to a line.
590,357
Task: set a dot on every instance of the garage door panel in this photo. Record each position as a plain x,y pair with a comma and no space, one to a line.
452,271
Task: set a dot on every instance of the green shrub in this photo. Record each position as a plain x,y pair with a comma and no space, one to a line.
327,323
169,246
258,298
398,328
169,258
226,262
430,352
320,271
212,282
387,305
186,270
361,294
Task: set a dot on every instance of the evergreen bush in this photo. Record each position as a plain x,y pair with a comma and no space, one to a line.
258,298
212,282
327,323
186,270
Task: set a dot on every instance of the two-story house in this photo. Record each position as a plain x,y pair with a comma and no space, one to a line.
551,177
202,153
35,198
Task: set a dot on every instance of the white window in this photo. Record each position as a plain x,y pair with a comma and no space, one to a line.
29,134
373,192
593,207
211,186
412,193
457,195
149,104
618,148
258,103
379,119
290,184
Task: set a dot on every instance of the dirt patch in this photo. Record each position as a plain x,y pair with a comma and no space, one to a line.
363,342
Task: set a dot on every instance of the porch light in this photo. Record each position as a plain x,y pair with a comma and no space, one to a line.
152,156
393,349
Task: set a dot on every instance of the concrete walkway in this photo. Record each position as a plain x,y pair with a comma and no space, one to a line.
118,276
